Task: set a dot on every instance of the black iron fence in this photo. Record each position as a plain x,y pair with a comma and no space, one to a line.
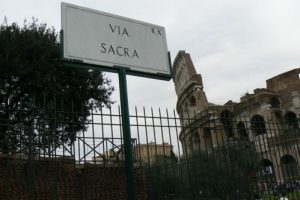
55,150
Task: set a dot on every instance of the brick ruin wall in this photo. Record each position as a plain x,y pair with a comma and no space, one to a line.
59,179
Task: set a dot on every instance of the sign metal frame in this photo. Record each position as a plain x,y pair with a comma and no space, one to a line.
144,70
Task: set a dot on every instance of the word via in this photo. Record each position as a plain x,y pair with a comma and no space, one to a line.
119,51
119,30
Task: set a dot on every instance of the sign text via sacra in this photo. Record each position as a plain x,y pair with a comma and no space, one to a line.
122,51
118,50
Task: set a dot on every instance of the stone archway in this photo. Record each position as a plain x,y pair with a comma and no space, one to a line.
242,131
226,118
193,101
291,120
289,167
258,125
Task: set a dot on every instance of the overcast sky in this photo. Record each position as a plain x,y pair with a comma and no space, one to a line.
235,45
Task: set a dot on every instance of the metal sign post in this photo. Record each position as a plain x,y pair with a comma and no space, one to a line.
131,193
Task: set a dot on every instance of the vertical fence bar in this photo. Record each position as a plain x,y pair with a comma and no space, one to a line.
93,135
146,133
138,146
31,154
105,153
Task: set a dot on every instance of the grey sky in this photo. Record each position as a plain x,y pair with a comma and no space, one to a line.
235,45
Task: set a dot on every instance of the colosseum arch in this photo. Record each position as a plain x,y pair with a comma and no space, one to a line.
242,131
275,103
289,166
226,118
258,125
192,101
196,140
291,120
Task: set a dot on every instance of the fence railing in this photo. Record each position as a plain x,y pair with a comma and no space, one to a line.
58,151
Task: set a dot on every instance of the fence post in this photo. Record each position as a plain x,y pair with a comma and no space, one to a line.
130,182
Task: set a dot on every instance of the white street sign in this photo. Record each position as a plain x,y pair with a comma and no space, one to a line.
100,38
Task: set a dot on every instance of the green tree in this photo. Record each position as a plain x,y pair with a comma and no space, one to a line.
164,177
228,172
43,103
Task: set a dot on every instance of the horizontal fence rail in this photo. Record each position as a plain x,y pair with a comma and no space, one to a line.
54,150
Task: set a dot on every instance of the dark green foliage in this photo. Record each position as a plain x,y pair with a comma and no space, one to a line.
43,104
227,172
163,177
